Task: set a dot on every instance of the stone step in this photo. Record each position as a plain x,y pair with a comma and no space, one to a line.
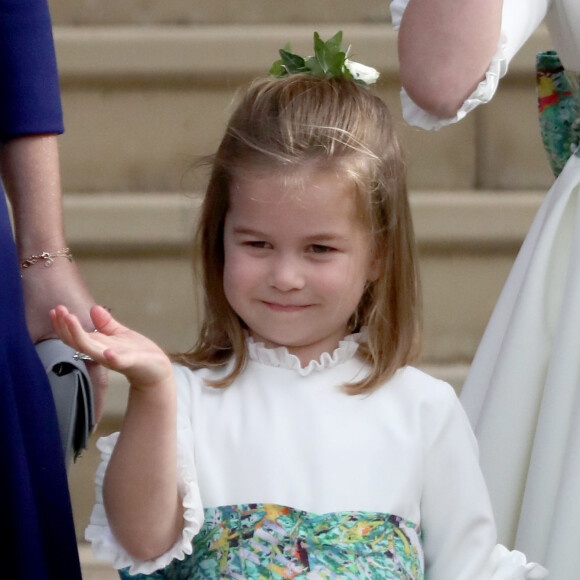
93,569
142,103
235,12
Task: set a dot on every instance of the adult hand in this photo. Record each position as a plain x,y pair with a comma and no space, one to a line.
29,166
61,283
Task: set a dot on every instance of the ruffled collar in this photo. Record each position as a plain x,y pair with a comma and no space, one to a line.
281,358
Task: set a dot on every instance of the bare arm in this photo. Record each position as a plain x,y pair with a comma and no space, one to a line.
140,488
445,47
30,172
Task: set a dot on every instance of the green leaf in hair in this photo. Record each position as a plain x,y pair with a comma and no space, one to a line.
328,60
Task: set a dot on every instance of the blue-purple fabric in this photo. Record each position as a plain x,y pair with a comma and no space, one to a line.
35,510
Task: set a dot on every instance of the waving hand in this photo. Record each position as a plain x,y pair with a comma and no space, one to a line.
114,346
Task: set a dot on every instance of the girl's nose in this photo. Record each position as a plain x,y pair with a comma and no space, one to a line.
286,273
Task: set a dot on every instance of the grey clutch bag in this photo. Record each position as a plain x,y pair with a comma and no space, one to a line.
73,396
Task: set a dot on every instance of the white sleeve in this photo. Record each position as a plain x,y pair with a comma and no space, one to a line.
520,18
459,536
104,544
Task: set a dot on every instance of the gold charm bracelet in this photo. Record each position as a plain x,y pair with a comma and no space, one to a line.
47,258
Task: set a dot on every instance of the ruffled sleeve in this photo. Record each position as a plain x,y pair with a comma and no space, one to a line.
459,535
418,117
519,20
512,565
104,544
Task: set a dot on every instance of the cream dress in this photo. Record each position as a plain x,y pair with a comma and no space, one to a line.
522,394
283,475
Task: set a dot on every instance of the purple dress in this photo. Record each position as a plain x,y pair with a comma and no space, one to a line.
35,511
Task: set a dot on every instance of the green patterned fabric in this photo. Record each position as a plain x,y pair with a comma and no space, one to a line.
265,541
559,109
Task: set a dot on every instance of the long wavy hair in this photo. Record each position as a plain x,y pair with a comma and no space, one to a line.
279,125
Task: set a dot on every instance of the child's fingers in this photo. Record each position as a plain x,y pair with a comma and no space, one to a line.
113,345
70,331
105,323
102,319
116,350
88,342
58,317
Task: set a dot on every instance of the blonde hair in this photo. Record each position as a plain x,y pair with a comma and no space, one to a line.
336,124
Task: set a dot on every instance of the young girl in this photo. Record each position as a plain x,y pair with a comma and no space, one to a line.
295,441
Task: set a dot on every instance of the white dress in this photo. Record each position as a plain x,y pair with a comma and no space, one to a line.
522,394
283,475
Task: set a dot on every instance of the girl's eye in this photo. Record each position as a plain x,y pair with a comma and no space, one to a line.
320,249
257,244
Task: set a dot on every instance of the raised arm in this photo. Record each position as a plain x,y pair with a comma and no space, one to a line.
445,47
140,489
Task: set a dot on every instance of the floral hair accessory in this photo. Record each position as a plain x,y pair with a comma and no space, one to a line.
328,60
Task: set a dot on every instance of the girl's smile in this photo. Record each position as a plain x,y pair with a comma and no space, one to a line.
286,307
297,259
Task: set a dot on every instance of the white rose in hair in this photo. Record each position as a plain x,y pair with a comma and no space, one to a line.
362,72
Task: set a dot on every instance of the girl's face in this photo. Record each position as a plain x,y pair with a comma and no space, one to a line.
297,259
